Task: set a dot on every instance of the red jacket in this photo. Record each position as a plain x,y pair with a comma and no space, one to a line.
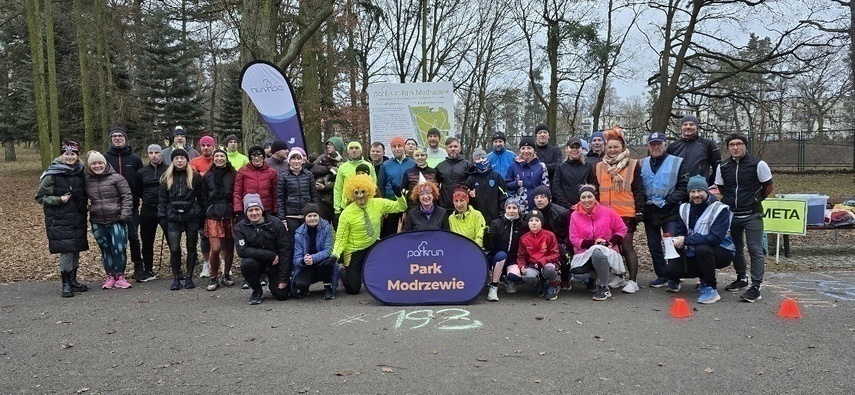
262,181
537,249
202,164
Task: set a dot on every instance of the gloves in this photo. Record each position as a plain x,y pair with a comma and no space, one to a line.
396,189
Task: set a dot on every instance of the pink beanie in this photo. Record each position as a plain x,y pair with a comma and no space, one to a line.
207,140
297,150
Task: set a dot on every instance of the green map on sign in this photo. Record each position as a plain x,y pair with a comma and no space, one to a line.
430,117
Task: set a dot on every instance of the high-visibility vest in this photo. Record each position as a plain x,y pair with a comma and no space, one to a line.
621,201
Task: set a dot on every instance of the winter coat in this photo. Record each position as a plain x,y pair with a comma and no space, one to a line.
417,220
324,241
550,155
110,197
538,249
293,191
469,224
179,203
147,185
699,156
264,242
490,192
218,186
501,160
65,223
411,180
325,169
391,174
601,223
261,180
450,173
533,174
504,235
127,164
569,176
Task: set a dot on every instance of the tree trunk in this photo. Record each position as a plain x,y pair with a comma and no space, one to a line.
10,151
34,29
103,72
258,42
552,42
53,93
82,55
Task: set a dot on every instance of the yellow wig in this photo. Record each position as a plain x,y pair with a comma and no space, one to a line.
359,182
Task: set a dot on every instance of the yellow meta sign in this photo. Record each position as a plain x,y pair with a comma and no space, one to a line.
785,216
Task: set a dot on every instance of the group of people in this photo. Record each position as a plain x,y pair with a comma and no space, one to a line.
542,216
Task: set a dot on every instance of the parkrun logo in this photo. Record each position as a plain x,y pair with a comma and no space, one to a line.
268,88
422,251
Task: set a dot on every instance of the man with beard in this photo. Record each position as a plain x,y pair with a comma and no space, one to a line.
701,156
435,153
125,162
179,140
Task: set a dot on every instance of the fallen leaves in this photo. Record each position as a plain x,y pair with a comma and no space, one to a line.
709,370
66,346
387,369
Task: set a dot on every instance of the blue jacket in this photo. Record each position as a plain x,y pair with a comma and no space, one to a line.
707,223
391,174
533,174
501,160
324,240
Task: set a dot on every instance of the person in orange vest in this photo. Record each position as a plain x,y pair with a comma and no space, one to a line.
622,189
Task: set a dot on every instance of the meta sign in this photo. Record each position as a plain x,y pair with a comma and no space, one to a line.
431,267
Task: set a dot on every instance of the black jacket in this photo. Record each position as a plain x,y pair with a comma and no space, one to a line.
65,222
490,194
555,220
147,187
594,158
504,235
293,191
569,176
264,242
416,220
450,173
126,163
699,155
550,155
411,179
179,203
216,196
742,189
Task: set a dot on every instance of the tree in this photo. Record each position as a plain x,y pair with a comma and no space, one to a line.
229,120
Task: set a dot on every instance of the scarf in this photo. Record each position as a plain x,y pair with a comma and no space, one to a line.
616,165
482,167
427,213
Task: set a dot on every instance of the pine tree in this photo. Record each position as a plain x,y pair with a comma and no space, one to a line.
168,92
231,112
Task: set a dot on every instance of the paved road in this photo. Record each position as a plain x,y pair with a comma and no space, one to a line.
151,340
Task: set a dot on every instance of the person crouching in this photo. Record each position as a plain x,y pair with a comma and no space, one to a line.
313,246
537,259
262,243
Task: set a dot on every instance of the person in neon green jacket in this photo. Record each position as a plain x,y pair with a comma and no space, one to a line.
359,226
237,159
466,221
346,170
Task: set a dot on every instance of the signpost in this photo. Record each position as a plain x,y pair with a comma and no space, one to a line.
784,216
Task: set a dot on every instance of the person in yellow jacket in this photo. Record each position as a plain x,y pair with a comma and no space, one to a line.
359,226
466,221
346,170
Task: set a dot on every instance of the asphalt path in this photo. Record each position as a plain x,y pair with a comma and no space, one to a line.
152,340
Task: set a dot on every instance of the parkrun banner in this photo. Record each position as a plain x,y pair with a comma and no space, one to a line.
273,96
432,267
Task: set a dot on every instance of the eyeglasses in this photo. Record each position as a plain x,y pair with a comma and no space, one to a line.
257,155
735,144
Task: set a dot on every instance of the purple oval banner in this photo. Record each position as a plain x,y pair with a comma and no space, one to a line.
431,267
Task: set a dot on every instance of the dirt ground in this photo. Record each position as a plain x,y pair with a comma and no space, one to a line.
25,256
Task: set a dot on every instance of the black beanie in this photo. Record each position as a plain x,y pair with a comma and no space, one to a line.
311,208
542,190
179,152
540,126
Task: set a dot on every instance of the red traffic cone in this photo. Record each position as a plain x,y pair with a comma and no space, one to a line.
680,309
789,309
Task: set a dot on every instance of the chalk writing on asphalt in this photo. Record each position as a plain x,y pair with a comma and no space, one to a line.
352,319
831,288
444,319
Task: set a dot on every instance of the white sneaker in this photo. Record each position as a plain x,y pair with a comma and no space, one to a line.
206,270
617,282
510,287
631,287
493,294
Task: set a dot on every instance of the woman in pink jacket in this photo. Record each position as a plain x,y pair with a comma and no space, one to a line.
596,233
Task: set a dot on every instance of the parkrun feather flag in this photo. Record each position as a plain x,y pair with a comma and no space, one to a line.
431,267
273,96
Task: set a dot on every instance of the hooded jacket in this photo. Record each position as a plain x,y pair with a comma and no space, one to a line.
217,192
264,242
147,186
261,180
490,192
450,173
126,163
65,223
110,198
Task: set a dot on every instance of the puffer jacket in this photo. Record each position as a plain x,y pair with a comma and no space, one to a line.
65,223
324,241
260,180
264,242
217,192
110,197
179,203
147,185
504,235
293,191
450,173
569,176
601,223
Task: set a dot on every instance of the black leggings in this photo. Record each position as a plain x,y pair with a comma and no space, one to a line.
252,269
312,274
351,276
702,265
148,231
174,240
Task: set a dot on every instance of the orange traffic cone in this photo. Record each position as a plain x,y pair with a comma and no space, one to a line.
789,309
680,309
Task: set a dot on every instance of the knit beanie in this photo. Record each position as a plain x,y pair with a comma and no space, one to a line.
539,127
397,140
154,148
179,131
587,188
221,150
69,145
433,131
736,136
207,140
179,152
499,136
230,138
362,168
698,182
311,208
337,142
478,153
354,144
252,200
253,149
95,156
542,190
690,118
527,141
534,213
512,201
599,134
278,145
119,129
297,150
